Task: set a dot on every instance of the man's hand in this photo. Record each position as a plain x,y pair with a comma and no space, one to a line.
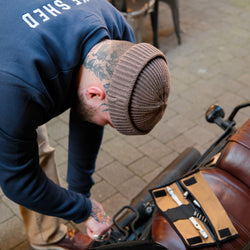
98,223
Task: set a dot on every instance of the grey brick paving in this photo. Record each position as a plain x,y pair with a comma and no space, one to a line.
143,166
211,66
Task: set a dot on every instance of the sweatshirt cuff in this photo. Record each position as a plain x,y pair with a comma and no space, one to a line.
86,211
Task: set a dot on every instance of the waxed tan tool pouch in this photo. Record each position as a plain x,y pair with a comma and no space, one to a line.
197,201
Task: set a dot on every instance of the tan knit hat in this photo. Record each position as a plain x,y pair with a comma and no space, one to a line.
139,89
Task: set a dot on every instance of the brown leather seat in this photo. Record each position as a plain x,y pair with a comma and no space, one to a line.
230,181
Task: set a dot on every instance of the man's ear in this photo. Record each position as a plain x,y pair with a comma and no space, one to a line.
95,92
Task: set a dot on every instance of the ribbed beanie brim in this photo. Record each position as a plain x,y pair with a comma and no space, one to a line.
139,90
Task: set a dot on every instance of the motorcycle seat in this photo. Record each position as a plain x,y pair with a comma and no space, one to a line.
230,181
235,158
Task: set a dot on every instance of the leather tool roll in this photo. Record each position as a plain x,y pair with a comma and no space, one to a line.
197,204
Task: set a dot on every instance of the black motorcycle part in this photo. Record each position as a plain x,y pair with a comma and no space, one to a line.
143,201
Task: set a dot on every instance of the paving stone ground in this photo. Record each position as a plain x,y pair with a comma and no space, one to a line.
210,66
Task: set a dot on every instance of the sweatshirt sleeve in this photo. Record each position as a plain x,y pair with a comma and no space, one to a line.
84,143
21,177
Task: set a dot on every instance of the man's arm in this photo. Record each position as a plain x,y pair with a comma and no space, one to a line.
21,177
84,142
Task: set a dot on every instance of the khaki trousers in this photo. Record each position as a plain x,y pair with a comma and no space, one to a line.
42,229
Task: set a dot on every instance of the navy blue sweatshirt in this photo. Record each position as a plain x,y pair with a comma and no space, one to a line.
42,46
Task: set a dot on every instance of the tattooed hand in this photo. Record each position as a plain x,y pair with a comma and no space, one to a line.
98,223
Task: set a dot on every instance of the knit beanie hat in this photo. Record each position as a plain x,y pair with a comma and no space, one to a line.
139,89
